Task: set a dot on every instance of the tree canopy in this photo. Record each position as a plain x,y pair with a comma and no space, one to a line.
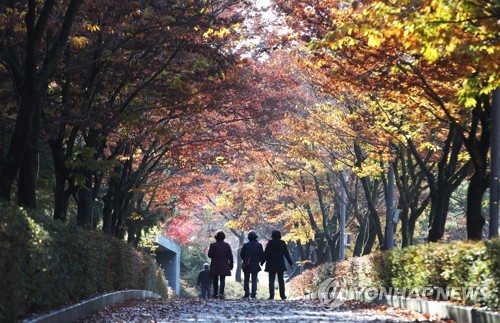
125,115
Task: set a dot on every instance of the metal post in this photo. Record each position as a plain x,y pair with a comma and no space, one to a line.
495,165
342,218
389,226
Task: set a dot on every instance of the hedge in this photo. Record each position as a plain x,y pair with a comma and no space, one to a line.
44,265
423,268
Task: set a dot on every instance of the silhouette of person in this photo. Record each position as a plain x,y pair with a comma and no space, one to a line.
221,264
251,253
205,281
276,251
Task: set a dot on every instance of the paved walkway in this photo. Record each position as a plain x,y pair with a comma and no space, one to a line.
188,310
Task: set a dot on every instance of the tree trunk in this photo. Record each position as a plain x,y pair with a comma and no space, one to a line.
124,210
26,194
372,235
138,237
411,229
319,238
241,241
61,193
23,128
371,192
475,220
31,81
114,220
448,178
107,211
61,199
131,232
415,213
300,248
334,247
330,240
406,236
19,143
85,204
440,201
479,182
360,239
26,186
61,204
322,250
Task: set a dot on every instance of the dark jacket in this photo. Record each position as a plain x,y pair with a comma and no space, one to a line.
204,278
252,250
276,249
222,259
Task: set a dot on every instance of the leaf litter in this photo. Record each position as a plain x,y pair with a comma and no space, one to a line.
197,310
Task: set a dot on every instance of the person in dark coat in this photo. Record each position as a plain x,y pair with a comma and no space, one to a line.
221,265
205,281
251,253
276,249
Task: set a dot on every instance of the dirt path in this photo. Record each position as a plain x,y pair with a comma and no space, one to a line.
188,310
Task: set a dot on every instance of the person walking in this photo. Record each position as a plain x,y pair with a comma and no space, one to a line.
221,264
276,249
205,281
251,253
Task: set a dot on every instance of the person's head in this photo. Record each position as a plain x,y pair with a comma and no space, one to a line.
276,234
220,236
252,236
206,266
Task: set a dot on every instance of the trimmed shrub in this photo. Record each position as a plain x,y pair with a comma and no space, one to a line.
493,256
460,266
405,273
380,270
45,264
303,284
327,270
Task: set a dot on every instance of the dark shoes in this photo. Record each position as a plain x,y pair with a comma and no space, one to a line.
220,296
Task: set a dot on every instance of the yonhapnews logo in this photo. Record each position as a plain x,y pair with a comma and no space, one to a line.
331,292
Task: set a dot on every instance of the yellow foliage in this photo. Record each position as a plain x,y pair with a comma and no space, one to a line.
136,217
429,146
92,28
464,156
221,33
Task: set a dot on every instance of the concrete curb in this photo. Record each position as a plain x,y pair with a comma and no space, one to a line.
442,309
87,307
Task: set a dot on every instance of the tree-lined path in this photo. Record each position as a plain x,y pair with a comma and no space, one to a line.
362,130
182,310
